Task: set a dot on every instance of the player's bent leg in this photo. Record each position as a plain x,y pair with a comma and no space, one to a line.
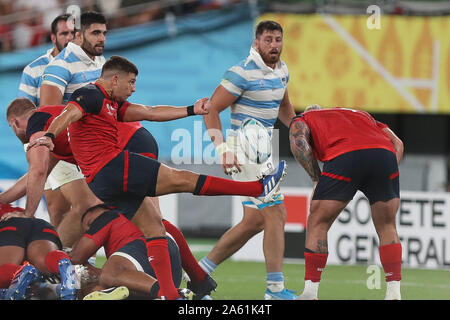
237,236
148,219
119,271
57,205
81,198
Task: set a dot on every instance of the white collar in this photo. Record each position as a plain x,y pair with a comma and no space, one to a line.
79,52
256,57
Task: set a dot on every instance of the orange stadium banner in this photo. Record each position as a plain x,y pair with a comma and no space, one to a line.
402,65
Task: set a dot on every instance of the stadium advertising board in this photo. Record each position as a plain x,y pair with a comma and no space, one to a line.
400,66
423,224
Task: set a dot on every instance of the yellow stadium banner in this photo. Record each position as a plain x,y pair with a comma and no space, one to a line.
402,66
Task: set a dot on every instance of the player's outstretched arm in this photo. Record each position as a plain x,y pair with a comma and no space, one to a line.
137,112
299,137
16,191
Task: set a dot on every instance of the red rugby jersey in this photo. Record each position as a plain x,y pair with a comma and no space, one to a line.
98,136
40,121
336,131
112,231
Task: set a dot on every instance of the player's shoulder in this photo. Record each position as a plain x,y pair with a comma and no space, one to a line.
89,91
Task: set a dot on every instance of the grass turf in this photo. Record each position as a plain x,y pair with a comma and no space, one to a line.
242,280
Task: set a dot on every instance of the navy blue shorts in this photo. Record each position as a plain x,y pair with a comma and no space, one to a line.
372,171
21,232
125,181
136,252
144,143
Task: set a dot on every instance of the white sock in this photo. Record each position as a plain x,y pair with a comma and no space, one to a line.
393,291
311,290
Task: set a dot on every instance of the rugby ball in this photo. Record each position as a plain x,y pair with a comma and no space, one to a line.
255,141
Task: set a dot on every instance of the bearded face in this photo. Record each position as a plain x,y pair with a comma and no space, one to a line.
269,45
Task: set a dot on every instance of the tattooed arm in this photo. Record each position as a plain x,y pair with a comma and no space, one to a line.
299,137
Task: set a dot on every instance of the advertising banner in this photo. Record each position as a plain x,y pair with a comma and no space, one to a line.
423,225
378,63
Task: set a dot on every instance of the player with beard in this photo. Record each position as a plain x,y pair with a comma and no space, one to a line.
31,79
254,88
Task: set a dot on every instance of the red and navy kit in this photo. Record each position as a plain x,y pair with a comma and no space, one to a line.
356,155
97,133
112,231
122,179
336,131
20,232
117,234
40,121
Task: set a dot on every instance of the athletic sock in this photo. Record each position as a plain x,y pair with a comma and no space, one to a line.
391,260
52,260
207,265
158,252
213,186
314,265
275,281
188,261
7,271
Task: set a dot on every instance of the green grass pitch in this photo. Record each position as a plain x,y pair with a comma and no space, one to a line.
239,280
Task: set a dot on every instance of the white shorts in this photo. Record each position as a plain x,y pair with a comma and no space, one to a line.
251,172
64,172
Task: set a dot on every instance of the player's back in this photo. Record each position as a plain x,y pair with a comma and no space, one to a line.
112,230
339,130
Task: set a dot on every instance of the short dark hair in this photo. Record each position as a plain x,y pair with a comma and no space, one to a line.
118,63
19,107
91,17
267,25
61,17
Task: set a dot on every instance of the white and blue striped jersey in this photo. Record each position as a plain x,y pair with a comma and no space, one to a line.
30,82
72,69
259,89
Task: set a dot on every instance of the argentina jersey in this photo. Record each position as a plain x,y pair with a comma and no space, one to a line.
72,69
31,79
259,89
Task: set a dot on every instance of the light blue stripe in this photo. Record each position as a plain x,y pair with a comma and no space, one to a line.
269,204
271,104
235,79
71,58
249,66
51,78
242,117
30,81
23,94
58,71
43,61
85,76
264,84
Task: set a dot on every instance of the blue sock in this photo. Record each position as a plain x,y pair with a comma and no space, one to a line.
207,265
275,281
